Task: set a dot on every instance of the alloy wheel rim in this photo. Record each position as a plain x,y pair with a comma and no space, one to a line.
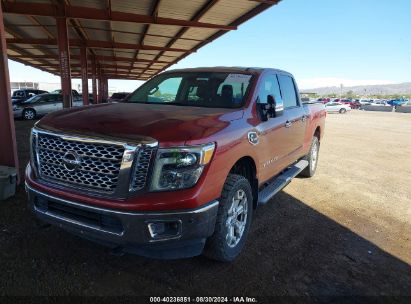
237,218
314,155
29,115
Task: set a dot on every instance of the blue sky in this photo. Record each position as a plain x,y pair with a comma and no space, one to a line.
322,42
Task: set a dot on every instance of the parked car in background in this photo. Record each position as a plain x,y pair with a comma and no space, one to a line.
90,98
354,104
364,102
22,95
42,104
406,104
324,100
73,92
118,97
379,103
397,102
337,107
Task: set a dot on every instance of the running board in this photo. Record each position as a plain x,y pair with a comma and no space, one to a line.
281,181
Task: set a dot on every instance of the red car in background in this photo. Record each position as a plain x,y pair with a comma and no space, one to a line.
324,100
354,104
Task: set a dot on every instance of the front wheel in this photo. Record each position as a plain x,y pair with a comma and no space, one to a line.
312,158
233,220
342,111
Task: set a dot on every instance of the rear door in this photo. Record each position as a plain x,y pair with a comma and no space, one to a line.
296,117
57,102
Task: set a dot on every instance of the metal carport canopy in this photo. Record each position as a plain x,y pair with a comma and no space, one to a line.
102,39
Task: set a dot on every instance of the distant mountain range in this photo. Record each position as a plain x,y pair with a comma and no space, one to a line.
385,89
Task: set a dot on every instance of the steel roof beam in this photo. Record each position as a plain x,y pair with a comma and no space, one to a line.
79,12
197,16
258,9
98,57
95,44
154,13
104,30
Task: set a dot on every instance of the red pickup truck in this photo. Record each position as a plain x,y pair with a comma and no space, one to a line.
179,167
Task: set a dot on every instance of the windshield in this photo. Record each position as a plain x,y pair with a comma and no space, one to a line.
200,89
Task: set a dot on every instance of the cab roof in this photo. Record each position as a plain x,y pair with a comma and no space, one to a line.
236,69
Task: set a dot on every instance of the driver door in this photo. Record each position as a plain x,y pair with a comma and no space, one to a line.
272,133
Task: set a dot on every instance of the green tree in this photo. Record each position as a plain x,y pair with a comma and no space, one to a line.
349,94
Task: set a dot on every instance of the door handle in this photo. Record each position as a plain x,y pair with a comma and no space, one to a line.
288,124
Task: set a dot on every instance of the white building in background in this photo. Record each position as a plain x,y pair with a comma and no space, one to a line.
48,86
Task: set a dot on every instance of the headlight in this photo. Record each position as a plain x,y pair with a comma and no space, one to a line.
15,107
180,168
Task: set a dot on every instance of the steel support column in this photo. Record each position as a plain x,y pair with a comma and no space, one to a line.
64,57
94,79
8,148
105,88
84,75
99,84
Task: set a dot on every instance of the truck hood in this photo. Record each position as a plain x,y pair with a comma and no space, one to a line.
132,122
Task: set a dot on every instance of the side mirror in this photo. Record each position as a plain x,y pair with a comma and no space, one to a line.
277,106
271,108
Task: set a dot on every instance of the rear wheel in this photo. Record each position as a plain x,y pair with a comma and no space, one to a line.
29,114
342,111
233,220
312,158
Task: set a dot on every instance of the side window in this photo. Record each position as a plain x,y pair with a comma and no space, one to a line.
197,90
269,86
166,91
288,91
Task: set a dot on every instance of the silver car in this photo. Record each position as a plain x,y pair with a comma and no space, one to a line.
337,107
40,105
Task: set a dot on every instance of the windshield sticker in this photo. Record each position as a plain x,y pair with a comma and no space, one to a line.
237,78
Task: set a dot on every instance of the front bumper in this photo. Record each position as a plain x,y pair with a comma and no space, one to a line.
129,230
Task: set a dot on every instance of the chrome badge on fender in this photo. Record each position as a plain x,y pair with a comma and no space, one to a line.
253,138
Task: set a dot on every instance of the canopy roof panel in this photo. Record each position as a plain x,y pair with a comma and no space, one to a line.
129,39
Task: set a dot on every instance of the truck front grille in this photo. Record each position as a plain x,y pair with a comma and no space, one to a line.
78,163
141,167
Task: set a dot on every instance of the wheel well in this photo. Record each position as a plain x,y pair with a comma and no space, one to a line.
317,133
246,167
29,109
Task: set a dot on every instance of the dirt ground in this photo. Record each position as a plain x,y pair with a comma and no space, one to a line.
344,232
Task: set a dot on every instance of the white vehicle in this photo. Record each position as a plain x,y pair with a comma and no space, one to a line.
379,103
337,107
365,102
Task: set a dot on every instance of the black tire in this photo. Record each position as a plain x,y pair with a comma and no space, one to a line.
312,158
29,114
217,246
343,111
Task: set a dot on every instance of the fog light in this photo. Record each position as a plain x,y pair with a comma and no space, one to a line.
164,230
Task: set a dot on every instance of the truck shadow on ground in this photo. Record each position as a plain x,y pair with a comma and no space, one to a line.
291,250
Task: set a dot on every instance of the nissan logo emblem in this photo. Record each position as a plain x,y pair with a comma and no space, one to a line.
71,161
